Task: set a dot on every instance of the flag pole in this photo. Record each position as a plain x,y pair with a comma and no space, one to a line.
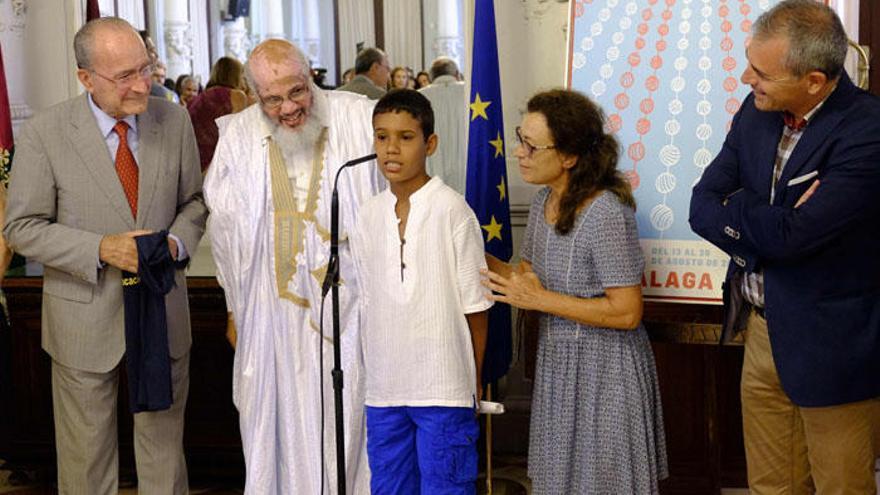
489,444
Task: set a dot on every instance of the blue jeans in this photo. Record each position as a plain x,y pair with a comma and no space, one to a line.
428,450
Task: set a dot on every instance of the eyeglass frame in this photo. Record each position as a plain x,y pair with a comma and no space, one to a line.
128,78
301,92
529,147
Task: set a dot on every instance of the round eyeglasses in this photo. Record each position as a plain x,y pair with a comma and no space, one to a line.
295,95
126,79
529,147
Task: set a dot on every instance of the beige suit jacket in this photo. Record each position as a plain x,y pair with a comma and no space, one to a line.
361,85
65,195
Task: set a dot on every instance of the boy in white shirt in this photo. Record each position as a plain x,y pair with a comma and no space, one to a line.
419,251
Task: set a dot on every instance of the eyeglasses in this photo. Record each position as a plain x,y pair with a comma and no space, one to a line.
296,94
530,148
128,78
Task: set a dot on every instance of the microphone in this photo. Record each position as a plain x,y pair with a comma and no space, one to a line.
350,163
360,160
332,275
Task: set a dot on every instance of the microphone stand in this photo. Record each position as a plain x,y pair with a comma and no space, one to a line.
331,280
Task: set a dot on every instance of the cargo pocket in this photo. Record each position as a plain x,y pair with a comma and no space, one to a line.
455,455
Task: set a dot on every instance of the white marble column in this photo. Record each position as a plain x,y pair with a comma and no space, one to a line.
311,37
178,39
201,59
12,26
448,41
273,19
236,42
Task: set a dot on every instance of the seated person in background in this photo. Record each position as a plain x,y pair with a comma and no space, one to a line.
422,367
224,95
422,80
186,89
372,72
399,78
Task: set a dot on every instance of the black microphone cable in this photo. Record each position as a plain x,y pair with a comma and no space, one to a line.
321,382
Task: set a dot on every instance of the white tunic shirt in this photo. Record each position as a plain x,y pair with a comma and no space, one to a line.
416,340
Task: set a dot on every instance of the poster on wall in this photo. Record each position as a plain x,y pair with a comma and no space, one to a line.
667,74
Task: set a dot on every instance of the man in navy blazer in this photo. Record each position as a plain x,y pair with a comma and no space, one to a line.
792,198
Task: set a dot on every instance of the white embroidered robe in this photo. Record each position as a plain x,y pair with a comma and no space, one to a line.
276,301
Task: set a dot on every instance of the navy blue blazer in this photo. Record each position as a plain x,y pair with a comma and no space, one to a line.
821,261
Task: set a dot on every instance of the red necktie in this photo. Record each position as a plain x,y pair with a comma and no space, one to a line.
126,167
791,124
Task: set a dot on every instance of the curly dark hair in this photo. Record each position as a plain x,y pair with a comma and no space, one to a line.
576,125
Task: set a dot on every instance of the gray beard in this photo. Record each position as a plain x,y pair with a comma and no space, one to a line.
300,143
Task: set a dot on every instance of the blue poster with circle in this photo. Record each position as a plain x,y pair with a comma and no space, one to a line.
667,74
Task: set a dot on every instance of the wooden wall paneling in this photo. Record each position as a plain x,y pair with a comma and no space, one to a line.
31,435
686,380
211,436
732,456
212,430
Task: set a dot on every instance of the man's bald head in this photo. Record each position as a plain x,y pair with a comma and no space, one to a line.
279,73
94,33
273,57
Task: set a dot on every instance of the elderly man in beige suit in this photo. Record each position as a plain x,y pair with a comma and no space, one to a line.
91,173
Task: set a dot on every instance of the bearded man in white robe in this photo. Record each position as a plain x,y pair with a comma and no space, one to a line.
268,190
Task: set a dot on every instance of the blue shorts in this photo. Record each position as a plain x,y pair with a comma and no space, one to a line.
428,450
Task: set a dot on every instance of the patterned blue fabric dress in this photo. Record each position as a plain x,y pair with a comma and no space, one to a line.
597,424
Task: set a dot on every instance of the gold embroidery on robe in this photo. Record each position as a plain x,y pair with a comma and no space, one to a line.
290,223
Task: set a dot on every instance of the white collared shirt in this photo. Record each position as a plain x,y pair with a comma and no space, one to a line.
416,340
105,125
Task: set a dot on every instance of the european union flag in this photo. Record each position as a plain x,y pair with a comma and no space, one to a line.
486,187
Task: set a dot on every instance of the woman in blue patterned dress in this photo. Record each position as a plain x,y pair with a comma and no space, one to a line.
597,424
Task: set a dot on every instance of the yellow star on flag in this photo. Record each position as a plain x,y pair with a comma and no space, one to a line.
478,108
498,143
493,229
502,189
